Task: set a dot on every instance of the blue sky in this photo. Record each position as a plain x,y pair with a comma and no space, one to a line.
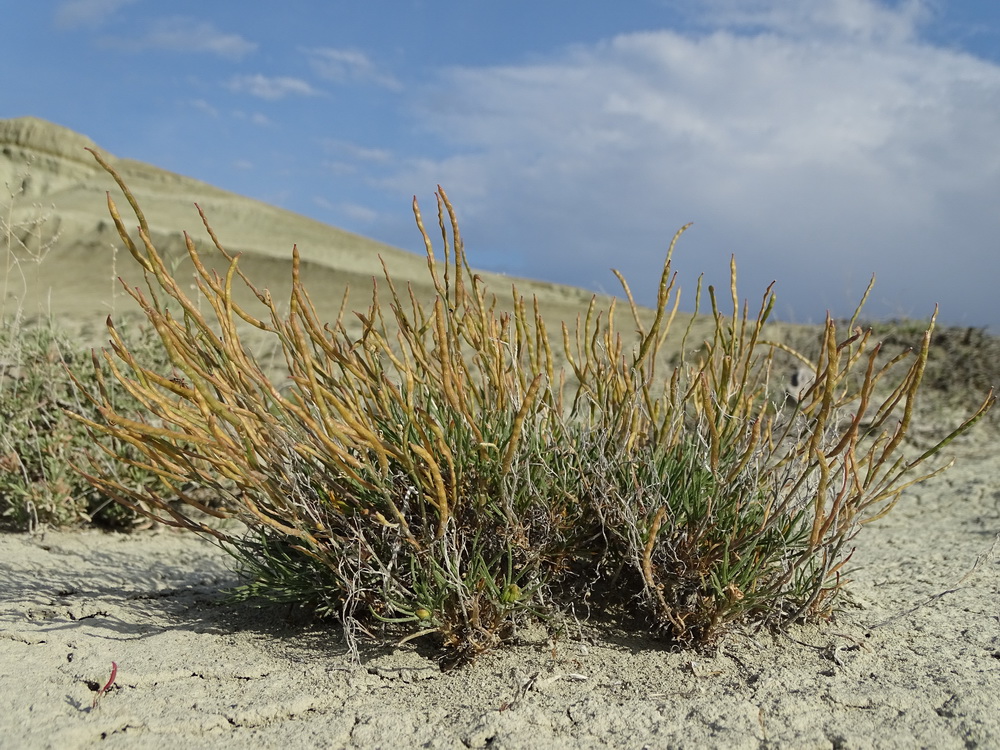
819,142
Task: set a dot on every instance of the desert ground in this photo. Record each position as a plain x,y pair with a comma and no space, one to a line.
911,660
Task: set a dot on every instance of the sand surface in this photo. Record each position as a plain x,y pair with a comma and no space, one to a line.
195,671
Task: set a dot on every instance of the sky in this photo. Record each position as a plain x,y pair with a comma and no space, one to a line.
819,142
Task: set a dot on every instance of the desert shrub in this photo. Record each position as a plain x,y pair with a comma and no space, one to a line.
37,484
435,473
40,442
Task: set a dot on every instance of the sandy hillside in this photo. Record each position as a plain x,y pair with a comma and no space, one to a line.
61,193
912,661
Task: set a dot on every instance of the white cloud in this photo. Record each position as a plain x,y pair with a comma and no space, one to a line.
75,13
182,34
348,65
256,118
863,19
272,88
818,147
203,106
356,151
376,155
188,35
340,169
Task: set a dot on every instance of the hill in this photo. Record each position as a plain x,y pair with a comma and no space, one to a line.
60,212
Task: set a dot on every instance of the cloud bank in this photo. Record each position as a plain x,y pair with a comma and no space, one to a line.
820,145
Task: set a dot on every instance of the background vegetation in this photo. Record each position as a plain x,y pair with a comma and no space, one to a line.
39,442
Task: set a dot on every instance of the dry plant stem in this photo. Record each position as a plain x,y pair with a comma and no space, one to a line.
106,687
439,473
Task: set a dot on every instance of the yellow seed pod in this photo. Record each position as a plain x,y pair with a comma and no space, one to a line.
423,614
